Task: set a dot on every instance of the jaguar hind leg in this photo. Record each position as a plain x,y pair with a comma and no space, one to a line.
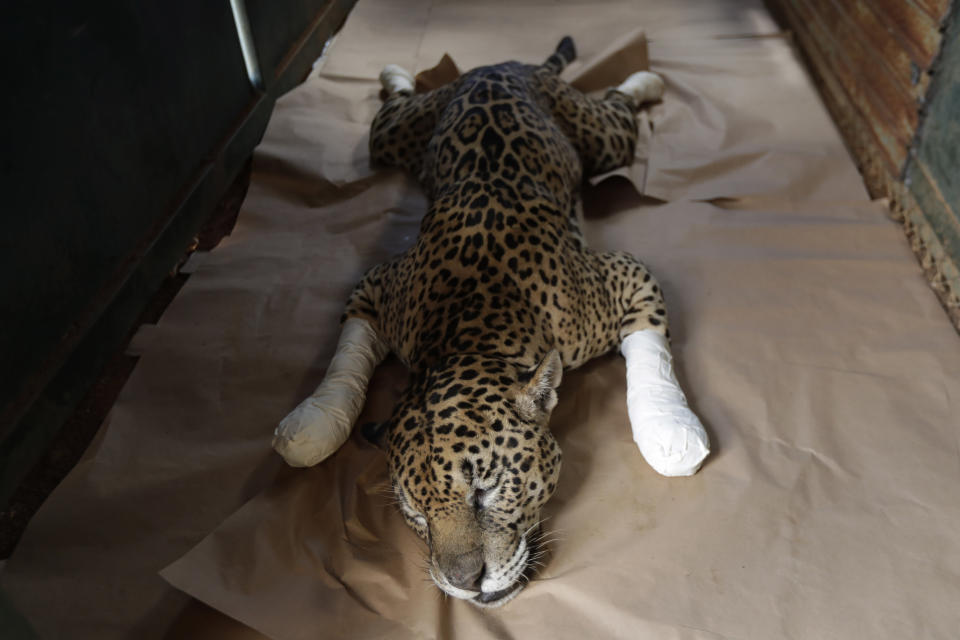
642,87
401,130
395,79
604,131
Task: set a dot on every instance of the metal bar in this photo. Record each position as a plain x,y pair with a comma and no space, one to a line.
245,35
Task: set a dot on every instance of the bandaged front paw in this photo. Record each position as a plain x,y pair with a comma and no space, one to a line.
642,86
670,436
395,79
322,423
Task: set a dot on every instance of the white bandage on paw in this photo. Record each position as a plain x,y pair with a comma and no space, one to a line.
669,434
642,86
395,79
322,423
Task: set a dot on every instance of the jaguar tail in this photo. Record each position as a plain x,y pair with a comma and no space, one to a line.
565,53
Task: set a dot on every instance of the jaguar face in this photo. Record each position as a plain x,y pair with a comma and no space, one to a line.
472,462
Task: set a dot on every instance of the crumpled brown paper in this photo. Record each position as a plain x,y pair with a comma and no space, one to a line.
826,510
804,335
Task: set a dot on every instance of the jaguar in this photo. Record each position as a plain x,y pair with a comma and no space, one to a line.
498,296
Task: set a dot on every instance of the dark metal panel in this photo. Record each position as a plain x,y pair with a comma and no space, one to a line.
276,25
129,124
933,172
13,624
281,29
115,109
940,212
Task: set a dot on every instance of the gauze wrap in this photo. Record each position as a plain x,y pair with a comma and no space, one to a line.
322,423
395,79
644,86
669,434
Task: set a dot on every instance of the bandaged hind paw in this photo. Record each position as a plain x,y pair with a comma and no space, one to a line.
642,86
322,423
395,79
669,435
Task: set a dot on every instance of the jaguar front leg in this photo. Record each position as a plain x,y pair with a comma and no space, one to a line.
320,425
669,435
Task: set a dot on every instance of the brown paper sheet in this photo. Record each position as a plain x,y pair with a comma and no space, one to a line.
740,117
804,334
826,511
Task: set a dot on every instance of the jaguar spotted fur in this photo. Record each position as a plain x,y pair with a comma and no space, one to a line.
498,295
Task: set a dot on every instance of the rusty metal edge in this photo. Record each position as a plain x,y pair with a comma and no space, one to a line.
882,176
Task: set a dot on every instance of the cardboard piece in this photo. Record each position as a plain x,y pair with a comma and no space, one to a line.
804,334
606,69
444,72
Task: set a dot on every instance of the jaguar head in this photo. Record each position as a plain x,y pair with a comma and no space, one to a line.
472,462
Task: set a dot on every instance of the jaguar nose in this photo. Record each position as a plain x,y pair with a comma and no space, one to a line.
466,570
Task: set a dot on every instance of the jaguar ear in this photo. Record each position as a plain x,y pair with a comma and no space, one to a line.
539,394
376,433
